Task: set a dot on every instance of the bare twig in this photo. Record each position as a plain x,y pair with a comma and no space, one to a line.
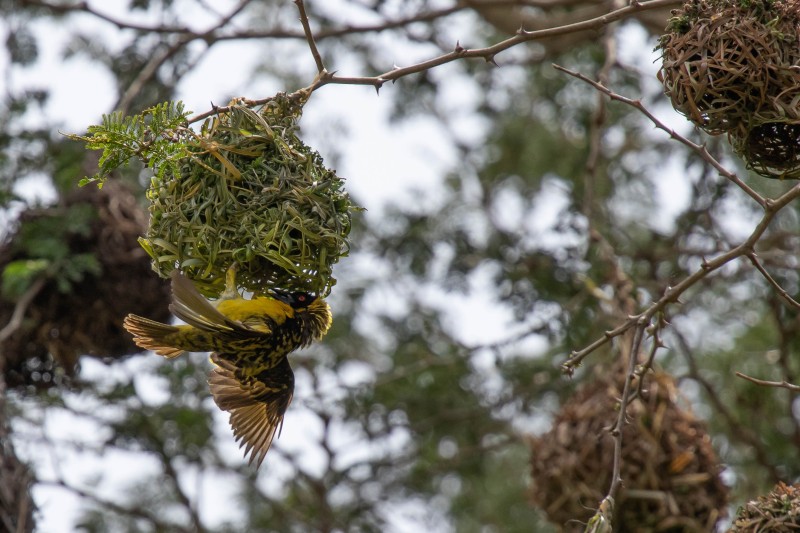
616,430
700,149
20,308
151,68
260,33
136,511
301,7
780,290
488,53
737,430
671,295
764,383
85,7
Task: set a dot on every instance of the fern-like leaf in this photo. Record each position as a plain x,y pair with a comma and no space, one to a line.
157,137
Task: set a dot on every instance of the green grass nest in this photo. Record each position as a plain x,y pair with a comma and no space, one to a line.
253,194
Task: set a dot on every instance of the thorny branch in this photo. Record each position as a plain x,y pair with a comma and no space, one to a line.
640,322
326,77
775,285
700,149
489,53
770,206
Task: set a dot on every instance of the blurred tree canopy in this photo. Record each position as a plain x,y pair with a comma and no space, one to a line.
566,214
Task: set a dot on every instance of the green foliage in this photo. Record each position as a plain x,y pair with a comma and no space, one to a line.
19,275
42,248
159,137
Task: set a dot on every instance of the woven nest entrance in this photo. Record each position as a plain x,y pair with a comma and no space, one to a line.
733,67
65,320
669,468
771,149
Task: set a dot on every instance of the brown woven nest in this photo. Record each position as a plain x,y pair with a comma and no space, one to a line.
777,512
86,272
733,67
669,469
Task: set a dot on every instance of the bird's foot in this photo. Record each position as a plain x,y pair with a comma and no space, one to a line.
231,290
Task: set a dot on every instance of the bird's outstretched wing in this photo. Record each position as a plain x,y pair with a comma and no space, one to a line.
191,307
256,403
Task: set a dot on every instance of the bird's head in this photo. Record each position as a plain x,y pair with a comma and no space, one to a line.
295,299
312,311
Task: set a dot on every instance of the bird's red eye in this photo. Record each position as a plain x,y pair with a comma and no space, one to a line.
301,298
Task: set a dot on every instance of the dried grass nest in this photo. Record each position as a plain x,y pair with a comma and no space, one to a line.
93,274
733,67
253,194
777,512
669,468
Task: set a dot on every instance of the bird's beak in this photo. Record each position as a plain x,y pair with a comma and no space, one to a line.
279,294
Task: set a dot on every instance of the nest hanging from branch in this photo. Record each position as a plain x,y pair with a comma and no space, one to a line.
252,194
734,67
669,468
777,512
91,274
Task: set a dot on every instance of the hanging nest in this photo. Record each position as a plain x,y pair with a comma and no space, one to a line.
79,266
732,67
777,512
669,469
729,64
252,194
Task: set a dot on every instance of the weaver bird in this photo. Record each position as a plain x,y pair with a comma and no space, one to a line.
250,341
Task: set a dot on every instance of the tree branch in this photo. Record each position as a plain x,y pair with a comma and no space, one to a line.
671,295
764,383
700,149
489,53
151,68
301,7
780,290
19,309
738,431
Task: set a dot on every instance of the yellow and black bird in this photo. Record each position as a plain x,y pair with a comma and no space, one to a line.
250,341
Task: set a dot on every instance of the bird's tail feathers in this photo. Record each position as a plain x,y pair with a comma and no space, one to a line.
150,335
